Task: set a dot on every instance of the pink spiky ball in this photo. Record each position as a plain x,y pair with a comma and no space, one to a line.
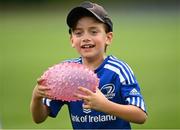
64,79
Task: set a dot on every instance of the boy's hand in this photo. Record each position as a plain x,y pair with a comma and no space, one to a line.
40,91
92,100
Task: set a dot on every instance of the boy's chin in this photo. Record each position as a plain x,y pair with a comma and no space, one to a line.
87,55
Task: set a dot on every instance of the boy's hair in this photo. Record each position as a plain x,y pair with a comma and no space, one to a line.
91,10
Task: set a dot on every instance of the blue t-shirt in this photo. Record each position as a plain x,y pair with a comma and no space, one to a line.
117,83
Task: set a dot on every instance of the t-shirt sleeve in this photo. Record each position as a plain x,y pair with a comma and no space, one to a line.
53,105
130,89
132,96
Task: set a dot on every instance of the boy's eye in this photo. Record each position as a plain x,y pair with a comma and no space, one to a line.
77,33
94,32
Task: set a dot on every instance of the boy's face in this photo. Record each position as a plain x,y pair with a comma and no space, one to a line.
89,38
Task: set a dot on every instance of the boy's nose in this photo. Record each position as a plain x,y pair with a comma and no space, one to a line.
86,38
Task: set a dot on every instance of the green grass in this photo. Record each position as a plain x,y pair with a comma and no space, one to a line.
31,41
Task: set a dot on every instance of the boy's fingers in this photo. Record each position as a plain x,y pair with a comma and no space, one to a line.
85,90
80,96
40,81
98,91
44,88
85,106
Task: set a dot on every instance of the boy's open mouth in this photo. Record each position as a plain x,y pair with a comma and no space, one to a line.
87,46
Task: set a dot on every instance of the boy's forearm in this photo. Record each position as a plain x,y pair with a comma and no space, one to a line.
39,110
127,112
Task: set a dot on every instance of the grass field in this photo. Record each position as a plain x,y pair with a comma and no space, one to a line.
33,40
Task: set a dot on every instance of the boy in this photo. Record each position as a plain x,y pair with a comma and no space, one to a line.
118,100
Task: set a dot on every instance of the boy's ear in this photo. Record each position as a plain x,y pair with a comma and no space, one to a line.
109,38
71,40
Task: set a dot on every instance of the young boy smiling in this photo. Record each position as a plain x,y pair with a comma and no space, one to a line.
118,100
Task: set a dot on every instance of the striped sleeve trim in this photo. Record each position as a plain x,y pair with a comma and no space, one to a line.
136,101
127,71
122,69
116,70
46,101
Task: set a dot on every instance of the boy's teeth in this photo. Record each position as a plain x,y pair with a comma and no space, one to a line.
87,46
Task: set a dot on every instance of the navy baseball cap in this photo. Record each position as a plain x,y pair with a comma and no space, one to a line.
89,9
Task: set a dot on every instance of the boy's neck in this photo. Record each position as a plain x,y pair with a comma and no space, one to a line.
93,63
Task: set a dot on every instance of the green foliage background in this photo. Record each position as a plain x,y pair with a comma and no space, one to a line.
35,37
